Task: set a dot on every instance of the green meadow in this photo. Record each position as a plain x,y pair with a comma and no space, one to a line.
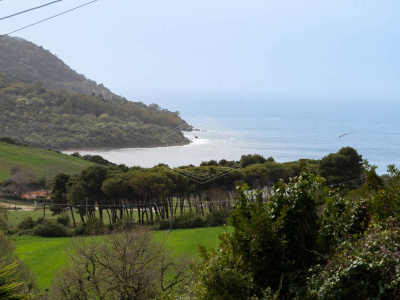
45,256
41,162
14,217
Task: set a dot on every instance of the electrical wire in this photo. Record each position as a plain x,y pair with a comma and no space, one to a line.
41,21
28,10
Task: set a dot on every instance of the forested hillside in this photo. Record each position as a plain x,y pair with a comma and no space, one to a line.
26,60
49,118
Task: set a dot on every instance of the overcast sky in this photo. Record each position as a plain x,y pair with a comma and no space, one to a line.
287,47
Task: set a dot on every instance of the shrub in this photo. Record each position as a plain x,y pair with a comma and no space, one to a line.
8,140
50,229
26,223
216,218
363,269
184,221
39,221
188,220
92,227
127,223
64,220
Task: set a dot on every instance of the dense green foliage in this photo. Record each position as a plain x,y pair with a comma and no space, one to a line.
24,59
367,268
346,165
270,242
307,242
57,119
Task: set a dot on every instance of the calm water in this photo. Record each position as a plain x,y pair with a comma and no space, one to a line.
284,129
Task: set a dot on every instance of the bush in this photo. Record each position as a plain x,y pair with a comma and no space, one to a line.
26,223
92,227
184,221
64,220
127,223
8,140
364,269
216,218
189,220
39,221
50,229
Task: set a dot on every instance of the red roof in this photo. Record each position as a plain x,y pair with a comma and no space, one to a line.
35,194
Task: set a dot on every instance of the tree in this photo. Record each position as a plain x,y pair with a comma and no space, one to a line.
20,179
127,265
250,159
385,199
344,166
58,192
270,243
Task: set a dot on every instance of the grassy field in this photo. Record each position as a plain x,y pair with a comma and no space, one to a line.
45,256
39,161
14,217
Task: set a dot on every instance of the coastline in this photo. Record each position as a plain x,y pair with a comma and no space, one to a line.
185,142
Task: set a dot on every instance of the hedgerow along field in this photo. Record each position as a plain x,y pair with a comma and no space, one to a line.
41,162
45,256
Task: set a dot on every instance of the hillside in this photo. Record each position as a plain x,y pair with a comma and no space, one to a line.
43,163
56,119
25,60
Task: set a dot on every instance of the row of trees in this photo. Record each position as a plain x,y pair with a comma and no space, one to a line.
161,192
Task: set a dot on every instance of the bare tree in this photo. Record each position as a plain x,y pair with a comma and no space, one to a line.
20,180
128,265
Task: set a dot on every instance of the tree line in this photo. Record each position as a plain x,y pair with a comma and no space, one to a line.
159,193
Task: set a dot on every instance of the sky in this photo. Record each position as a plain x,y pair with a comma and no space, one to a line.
250,47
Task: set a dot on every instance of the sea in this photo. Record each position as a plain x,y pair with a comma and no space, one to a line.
285,128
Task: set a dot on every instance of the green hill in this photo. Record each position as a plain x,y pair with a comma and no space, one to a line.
48,118
43,163
24,59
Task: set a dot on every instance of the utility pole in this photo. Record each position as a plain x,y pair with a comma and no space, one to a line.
86,209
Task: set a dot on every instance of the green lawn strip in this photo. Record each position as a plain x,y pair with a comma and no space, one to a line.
45,256
14,217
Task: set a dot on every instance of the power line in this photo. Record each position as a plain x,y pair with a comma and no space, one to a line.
25,11
41,21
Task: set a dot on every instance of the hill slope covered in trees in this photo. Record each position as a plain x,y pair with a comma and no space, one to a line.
25,60
57,119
